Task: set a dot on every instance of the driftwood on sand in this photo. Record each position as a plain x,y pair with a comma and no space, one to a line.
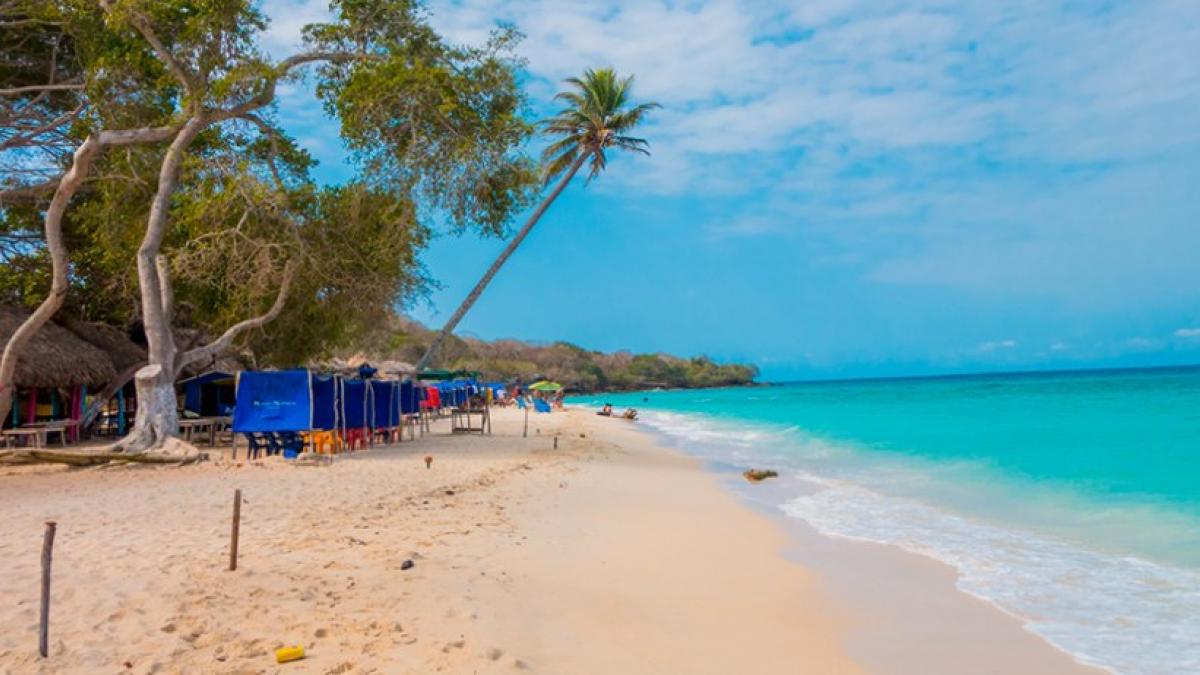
35,456
174,452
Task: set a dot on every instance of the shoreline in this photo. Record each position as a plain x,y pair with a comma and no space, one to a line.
614,553
912,617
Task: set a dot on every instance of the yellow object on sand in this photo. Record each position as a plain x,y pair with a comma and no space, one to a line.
285,654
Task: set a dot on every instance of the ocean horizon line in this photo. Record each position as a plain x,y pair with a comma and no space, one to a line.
981,373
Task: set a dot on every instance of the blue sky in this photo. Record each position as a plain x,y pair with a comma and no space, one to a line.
854,187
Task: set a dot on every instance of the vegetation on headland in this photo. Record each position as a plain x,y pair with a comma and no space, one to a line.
578,369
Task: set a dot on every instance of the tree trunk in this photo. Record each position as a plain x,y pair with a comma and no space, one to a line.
503,257
157,418
58,262
65,190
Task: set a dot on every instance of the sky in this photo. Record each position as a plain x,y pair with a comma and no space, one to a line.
850,188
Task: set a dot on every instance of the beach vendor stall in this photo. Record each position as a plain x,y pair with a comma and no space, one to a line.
384,407
53,375
275,408
471,413
354,423
208,401
412,406
210,394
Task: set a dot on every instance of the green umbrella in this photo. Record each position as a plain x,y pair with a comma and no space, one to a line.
545,385
435,375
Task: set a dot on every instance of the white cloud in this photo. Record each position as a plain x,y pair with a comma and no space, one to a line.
992,346
1188,333
1142,344
287,18
867,78
1021,147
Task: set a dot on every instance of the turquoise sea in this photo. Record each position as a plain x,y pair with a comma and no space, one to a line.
1069,499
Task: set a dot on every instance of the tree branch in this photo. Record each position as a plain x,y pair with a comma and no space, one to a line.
62,86
28,191
21,139
282,69
142,25
221,344
273,136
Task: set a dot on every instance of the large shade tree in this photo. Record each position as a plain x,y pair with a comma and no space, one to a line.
598,117
230,214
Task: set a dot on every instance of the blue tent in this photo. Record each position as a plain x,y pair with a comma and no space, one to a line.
210,394
354,404
384,397
273,401
325,402
410,400
453,393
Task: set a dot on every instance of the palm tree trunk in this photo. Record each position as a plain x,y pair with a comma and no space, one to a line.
503,257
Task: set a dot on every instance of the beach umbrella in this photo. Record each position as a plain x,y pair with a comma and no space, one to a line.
435,375
546,386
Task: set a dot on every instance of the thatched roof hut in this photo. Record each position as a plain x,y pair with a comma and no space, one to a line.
55,357
123,352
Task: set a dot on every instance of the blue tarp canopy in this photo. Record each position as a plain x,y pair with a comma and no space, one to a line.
453,393
354,404
210,394
273,401
383,404
410,398
325,402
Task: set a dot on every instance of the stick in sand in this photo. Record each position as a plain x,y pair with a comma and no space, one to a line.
233,534
47,552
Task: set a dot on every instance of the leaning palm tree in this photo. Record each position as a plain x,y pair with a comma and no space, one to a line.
598,116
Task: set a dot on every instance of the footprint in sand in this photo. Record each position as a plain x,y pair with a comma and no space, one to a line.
456,644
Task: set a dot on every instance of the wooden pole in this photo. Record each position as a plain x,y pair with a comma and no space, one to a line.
47,552
555,441
233,534
525,433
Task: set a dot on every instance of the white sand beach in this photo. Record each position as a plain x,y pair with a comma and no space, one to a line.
609,554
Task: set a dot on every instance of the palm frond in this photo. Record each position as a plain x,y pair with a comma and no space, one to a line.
559,164
564,144
599,163
637,145
596,117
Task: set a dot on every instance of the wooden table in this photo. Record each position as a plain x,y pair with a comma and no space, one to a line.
460,421
189,426
40,433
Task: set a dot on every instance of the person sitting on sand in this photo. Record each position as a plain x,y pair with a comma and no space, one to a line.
630,414
606,411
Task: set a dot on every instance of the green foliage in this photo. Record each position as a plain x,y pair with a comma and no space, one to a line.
438,130
577,368
597,117
442,120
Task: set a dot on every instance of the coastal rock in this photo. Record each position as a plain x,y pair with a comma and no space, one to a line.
759,475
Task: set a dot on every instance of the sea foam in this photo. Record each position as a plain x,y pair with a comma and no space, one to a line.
1120,612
